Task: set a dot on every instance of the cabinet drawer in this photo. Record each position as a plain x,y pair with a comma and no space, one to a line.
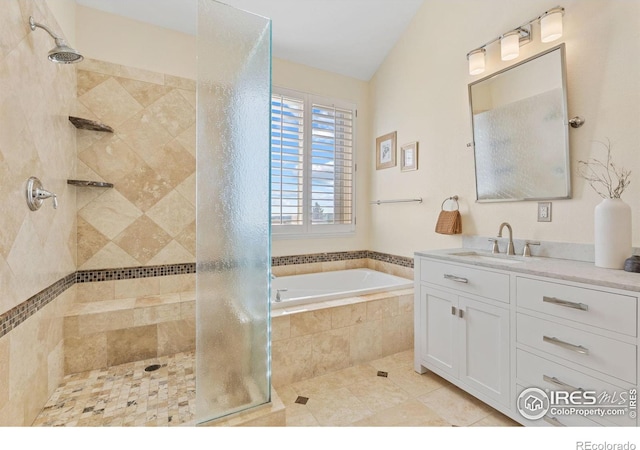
548,375
615,358
600,309
484,283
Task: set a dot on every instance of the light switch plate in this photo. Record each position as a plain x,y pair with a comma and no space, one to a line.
544,211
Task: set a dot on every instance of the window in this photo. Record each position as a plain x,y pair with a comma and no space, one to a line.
312,165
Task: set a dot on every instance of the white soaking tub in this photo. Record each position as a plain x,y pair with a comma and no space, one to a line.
317,287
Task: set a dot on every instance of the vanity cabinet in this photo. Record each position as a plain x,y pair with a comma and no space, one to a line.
495,331
464,337
571,337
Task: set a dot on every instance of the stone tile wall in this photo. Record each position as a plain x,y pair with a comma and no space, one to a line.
120,321
148,218
326,337
37,248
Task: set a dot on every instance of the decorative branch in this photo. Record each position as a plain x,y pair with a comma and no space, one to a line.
607,179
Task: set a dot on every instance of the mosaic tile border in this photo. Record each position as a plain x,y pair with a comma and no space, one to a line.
318,257
341,256
15,316
128,273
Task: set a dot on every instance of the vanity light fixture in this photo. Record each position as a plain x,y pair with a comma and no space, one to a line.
511,41
510,45
476,61
551,24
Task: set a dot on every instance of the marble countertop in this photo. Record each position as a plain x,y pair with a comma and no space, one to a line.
562,269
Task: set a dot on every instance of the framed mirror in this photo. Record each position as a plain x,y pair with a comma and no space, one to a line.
520,131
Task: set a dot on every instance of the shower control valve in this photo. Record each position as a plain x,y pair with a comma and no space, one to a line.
36,194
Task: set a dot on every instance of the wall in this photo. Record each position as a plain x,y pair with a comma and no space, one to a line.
116,39
137,46
148,218
421,91
37,248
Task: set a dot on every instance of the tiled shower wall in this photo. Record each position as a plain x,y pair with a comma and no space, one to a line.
37,248
148,218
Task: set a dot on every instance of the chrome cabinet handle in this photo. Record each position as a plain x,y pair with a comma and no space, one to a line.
576,348
455,278
453,310
553,421
565,303
561,384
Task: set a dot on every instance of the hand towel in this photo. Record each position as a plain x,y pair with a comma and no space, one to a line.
449,222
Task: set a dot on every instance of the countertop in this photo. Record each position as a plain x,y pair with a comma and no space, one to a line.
561,269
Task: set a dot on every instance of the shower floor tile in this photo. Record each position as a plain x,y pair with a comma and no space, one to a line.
126,395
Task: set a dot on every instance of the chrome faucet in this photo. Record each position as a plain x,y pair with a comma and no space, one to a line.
278,298
510,249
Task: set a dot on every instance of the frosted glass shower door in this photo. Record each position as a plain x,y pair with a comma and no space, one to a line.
233,249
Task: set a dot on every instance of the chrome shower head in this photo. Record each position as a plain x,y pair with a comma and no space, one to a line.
61,53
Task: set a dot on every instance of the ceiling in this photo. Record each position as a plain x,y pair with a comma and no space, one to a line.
356,35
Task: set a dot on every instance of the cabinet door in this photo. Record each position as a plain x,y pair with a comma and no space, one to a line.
484,348
439,344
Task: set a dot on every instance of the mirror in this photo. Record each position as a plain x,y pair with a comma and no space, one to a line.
520,131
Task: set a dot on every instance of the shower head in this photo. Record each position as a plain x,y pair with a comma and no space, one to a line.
61,53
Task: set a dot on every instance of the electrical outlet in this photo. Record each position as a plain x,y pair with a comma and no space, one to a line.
544,211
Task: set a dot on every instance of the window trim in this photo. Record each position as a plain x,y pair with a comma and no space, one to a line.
308,230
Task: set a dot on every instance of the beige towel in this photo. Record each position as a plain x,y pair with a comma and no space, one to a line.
449,222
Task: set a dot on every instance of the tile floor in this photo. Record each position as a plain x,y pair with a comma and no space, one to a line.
362,395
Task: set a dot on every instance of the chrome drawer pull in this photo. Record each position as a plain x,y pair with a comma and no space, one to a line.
565,303
563,385
553,421
453,310
455,278
576,348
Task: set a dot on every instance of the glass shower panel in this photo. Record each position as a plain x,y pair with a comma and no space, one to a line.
233,249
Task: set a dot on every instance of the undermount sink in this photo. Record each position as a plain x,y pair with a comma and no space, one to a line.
488,257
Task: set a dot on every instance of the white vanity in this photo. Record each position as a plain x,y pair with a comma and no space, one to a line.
496,325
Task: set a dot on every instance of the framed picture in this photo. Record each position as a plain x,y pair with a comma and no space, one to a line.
409,157
386,151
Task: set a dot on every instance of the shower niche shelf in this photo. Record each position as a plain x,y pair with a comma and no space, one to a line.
83,183
86,124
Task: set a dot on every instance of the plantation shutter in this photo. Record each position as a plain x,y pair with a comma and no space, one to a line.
331,184
287,147
312,165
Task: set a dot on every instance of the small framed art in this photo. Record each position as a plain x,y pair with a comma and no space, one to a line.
409,157
386,151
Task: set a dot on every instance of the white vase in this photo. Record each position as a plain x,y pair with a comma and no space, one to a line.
612,237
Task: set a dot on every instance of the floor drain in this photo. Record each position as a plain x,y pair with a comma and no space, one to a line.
383,374
302,400
152,367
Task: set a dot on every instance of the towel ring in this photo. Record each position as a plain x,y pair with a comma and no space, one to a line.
455,199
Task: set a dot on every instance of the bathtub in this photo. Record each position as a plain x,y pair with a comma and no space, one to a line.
316,287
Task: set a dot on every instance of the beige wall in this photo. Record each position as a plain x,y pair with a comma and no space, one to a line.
65,13
143,46
421,91
36,248
116,39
